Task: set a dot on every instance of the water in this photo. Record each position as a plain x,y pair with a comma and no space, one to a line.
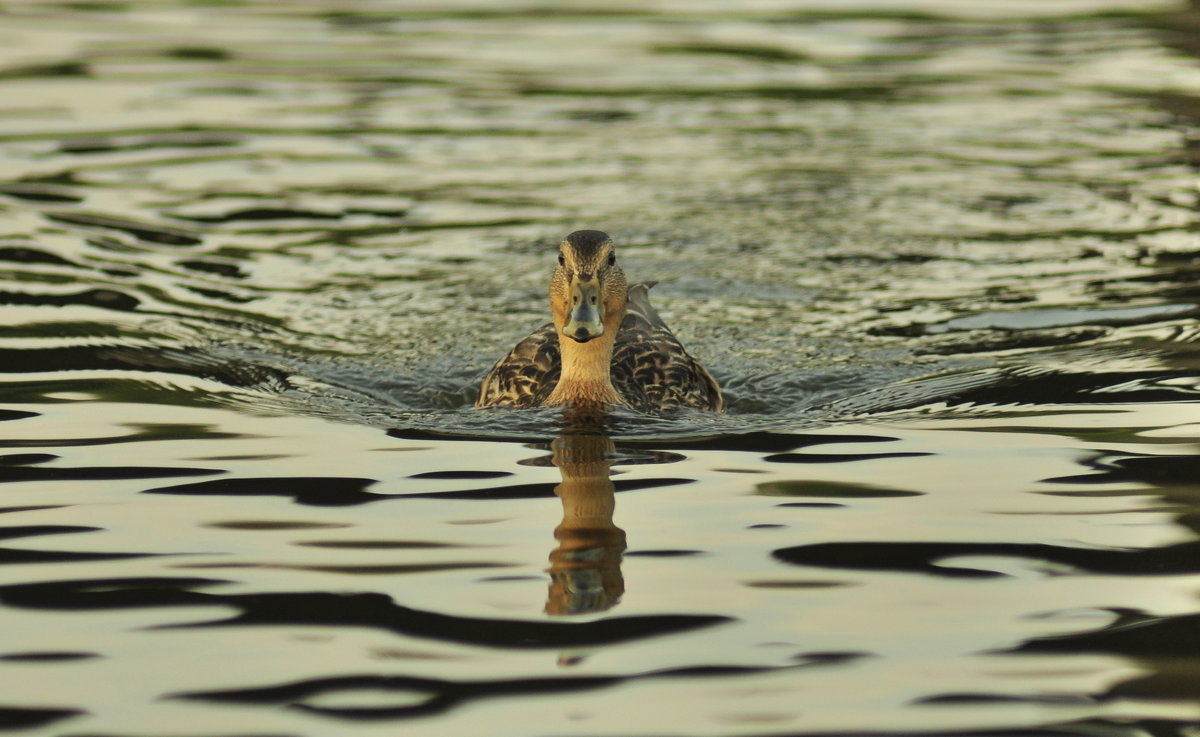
257,256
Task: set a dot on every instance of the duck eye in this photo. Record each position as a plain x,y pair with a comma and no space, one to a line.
612,259
562,261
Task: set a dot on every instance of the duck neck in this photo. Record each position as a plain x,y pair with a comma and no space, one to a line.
586,375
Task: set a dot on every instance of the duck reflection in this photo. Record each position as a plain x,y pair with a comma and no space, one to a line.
585,568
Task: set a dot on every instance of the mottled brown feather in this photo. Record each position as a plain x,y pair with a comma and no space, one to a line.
527,375
650,368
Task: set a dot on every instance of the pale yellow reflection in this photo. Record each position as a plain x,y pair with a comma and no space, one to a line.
585,568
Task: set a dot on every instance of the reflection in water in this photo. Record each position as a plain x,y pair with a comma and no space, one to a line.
977,214
585,569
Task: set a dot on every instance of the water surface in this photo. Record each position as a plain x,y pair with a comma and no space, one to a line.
257,257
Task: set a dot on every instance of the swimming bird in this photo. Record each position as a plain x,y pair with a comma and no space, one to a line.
605,344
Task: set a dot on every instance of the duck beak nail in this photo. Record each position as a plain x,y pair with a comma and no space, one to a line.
584,321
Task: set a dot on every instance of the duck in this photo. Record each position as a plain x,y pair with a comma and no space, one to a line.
605,344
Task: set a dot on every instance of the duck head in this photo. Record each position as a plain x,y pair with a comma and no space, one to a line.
588,288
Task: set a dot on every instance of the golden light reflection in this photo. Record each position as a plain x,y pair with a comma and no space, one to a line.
585,568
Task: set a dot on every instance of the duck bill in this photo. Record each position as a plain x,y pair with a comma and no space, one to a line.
584,321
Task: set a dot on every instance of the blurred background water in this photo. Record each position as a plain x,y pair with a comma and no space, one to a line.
255,258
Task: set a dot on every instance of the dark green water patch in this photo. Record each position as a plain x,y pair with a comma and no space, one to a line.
31,192
47,657
937,558
59,69
751,52
106,145
16,717
149,232
829,489
316,491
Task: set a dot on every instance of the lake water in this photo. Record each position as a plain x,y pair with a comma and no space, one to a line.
255,258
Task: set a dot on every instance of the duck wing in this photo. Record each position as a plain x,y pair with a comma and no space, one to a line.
650,367
527,375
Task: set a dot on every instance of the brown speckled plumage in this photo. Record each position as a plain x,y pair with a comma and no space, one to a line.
527,375
648,367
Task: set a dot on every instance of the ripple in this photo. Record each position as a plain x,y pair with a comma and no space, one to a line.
937,558
34,192
47,657
109,299
1057,318
28,468
460,475
366,569
837,457
379,544
110,144
374,611
314,491
9,415
273,525
149,232
395,697
1152,469
60,69
830,489
12,717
